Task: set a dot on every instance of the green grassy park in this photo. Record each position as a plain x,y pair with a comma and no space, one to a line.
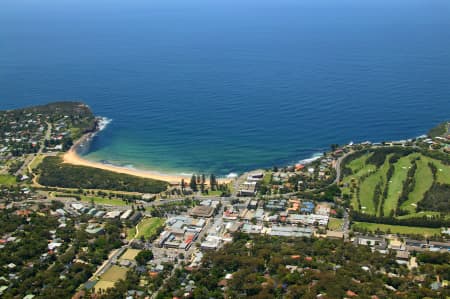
103,200
359,168
148,227
362,178
110,277
267,178
96,199
335,224
396,184
367,188
6,179
424,180
397,229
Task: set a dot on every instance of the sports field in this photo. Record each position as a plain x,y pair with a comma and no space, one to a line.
104,200
359,169
110,277
424,180
365,177
130,254
397,229
396,184
103,285
367,188
114,274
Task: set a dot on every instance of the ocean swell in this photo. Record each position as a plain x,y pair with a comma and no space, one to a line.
313,158
83,145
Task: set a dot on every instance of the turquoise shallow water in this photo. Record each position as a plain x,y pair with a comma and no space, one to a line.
227,86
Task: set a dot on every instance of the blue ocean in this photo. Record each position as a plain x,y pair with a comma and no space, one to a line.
226,86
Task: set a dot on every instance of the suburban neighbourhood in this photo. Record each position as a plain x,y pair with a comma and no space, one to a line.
386,201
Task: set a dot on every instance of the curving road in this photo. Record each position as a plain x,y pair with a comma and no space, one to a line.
337,166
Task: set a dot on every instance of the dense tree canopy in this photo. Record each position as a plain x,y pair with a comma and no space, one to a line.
54,173
267,267
143,257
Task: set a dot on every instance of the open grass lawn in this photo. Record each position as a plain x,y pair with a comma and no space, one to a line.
147,227
443,173
424,180
115,273
131,233
103,285
103,201
110,277
396,184
97,199
398,229
267,178
359,163
356,177
335,224
419,215
368,187
36,161
6,179
130,254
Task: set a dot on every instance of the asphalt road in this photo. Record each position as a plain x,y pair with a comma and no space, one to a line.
337,167
30,158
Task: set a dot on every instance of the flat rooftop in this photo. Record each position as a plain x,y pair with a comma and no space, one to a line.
202,211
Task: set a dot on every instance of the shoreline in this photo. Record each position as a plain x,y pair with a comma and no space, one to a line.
72,157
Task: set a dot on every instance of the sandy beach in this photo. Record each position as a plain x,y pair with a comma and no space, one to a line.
72,157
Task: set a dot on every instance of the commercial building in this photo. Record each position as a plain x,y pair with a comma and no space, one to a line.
290,231
202,211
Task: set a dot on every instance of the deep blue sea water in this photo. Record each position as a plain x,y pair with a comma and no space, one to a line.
226,86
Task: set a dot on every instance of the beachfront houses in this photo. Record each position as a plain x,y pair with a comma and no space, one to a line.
248,188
